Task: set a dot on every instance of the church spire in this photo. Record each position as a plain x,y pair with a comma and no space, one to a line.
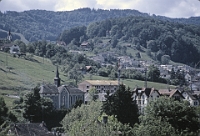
57,73
9,36
57,78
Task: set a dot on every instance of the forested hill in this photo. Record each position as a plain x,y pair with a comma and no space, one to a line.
40,24
180,42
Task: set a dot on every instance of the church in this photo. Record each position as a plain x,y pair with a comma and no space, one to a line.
63,96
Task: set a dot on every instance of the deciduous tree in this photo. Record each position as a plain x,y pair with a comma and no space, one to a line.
167,116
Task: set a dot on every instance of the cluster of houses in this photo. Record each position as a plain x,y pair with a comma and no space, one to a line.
64,96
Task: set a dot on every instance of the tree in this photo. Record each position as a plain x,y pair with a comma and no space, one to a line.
3,111
173,116
36,107
21,45
6,117
120,104
150,126
165,59
88,120
154,73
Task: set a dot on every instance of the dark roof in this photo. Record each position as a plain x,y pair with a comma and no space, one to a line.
48,89
191,95
29,129
71,90
147,91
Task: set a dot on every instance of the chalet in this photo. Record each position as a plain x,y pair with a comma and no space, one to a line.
191,98
171,93
63,96
142,96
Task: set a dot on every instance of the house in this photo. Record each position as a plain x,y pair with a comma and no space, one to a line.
142,96
6,47
29,129
63,96
191,98
171,93
14,49
188,78
60,43
101,87
85,44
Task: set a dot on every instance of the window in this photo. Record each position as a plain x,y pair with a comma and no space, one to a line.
195,103
143,97
63,101
87,87
71,99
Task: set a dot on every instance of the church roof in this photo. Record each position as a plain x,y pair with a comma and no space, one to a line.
71,90
48,89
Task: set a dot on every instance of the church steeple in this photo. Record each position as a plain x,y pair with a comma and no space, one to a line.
57,78
9,36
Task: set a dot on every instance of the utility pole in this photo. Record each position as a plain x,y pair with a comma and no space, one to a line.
145,71
6,59
119,70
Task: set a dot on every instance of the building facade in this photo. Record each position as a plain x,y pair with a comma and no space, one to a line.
101,87
142,96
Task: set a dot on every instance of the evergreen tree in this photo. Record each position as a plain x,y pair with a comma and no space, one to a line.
120,104
154,73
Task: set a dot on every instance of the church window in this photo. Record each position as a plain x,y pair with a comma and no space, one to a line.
71,99
64,100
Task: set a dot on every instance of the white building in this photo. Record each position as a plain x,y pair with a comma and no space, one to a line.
191,98
142,96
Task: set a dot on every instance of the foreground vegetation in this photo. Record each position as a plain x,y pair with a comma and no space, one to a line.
162,117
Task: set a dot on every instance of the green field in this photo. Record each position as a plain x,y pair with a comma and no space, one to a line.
18,75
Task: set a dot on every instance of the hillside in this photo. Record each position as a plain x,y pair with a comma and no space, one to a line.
18,75
180,42
40,24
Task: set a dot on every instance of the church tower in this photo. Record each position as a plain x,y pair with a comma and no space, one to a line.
57,78
9,36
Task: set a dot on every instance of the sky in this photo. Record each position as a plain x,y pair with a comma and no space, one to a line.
169,8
